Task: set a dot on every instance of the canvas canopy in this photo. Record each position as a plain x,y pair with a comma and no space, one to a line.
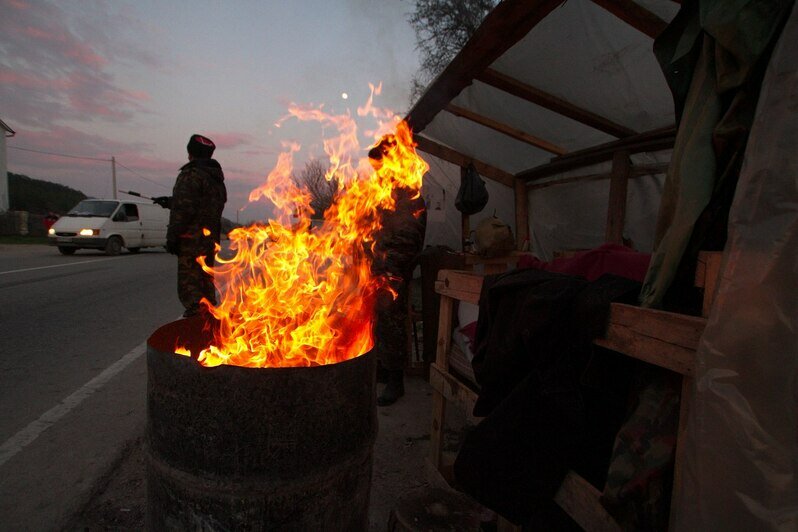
539,85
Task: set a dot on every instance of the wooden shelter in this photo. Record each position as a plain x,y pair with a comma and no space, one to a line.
563,107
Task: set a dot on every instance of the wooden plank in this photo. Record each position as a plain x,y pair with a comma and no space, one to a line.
468,297
459,281
505,129
451,388
534,95
580,500
616,211
465,222
508,23
636,171
707,273
635,15
521,197
678,329
685,404
503,525
445,317
455,157
654,140
652,350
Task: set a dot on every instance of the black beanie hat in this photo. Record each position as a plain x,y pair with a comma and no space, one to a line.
200,147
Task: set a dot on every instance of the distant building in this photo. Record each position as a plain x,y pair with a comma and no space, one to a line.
6,132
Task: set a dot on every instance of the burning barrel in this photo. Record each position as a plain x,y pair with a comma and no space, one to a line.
234,448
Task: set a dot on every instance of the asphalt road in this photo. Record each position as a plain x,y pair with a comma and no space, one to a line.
72,371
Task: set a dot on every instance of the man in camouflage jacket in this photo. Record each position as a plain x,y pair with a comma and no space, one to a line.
195,221
396,249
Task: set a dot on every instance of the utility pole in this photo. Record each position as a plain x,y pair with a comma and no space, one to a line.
113,175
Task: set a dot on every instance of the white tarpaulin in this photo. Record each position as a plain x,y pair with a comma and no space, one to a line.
742,446
586,56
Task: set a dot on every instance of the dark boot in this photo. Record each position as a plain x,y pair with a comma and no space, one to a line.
394,388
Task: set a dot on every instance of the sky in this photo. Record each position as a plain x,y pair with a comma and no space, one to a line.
134,79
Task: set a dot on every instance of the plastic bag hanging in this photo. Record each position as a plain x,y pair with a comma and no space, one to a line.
472,195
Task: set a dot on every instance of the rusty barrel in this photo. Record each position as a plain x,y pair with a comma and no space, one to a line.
232,448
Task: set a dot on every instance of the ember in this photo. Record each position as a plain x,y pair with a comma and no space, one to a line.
293,296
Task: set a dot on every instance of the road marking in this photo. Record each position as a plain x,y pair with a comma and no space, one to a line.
28,435
55,266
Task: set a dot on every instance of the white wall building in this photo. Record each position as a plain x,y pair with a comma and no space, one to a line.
6,132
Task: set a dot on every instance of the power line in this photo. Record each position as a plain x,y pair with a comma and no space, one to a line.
60,154
141,176
89,159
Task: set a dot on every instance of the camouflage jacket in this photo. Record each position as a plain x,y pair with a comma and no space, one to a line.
401,239
198,199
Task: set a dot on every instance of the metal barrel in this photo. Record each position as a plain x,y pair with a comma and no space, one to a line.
232,448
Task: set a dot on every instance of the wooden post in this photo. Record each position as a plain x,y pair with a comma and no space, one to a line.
465,224
113,176
521,214
616,213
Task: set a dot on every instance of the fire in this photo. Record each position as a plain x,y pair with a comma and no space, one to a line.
293,295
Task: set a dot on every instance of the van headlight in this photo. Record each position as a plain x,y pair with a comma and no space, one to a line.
51,231
89,232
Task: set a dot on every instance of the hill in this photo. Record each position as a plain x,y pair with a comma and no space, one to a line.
40,197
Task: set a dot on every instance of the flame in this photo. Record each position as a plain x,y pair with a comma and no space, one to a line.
296,296
184,351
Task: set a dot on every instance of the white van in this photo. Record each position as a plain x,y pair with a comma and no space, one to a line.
110,225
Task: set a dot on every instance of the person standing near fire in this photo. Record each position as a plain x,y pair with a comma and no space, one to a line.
195,222
397,246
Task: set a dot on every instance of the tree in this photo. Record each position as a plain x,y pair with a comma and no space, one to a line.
442,28
323,192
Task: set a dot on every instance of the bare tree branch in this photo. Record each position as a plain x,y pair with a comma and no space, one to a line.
442,28
323,192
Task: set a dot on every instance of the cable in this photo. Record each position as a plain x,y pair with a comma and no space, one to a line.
60,154
141,176
90,159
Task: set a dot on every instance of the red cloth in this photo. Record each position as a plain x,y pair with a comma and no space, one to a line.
614,259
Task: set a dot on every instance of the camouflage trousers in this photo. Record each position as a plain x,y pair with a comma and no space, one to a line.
390,332
192,282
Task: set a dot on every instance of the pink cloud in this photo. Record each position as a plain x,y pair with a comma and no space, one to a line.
231,140
32,81
62,67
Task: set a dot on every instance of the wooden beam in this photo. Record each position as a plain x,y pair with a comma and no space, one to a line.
465,221
455,157
655,140
507,24
582,502
637,171
534,95
460,285
636,16
616,211
666,339
521,214
501,127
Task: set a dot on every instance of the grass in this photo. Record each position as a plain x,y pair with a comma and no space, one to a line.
19,239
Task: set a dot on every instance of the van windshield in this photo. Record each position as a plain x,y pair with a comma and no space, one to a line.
102,209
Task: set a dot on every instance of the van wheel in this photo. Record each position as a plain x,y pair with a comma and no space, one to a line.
66,250
113,246
134,250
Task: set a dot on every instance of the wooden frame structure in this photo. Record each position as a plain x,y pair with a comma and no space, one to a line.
664,339
507,24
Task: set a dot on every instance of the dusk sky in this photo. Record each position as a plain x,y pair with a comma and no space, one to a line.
134,79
